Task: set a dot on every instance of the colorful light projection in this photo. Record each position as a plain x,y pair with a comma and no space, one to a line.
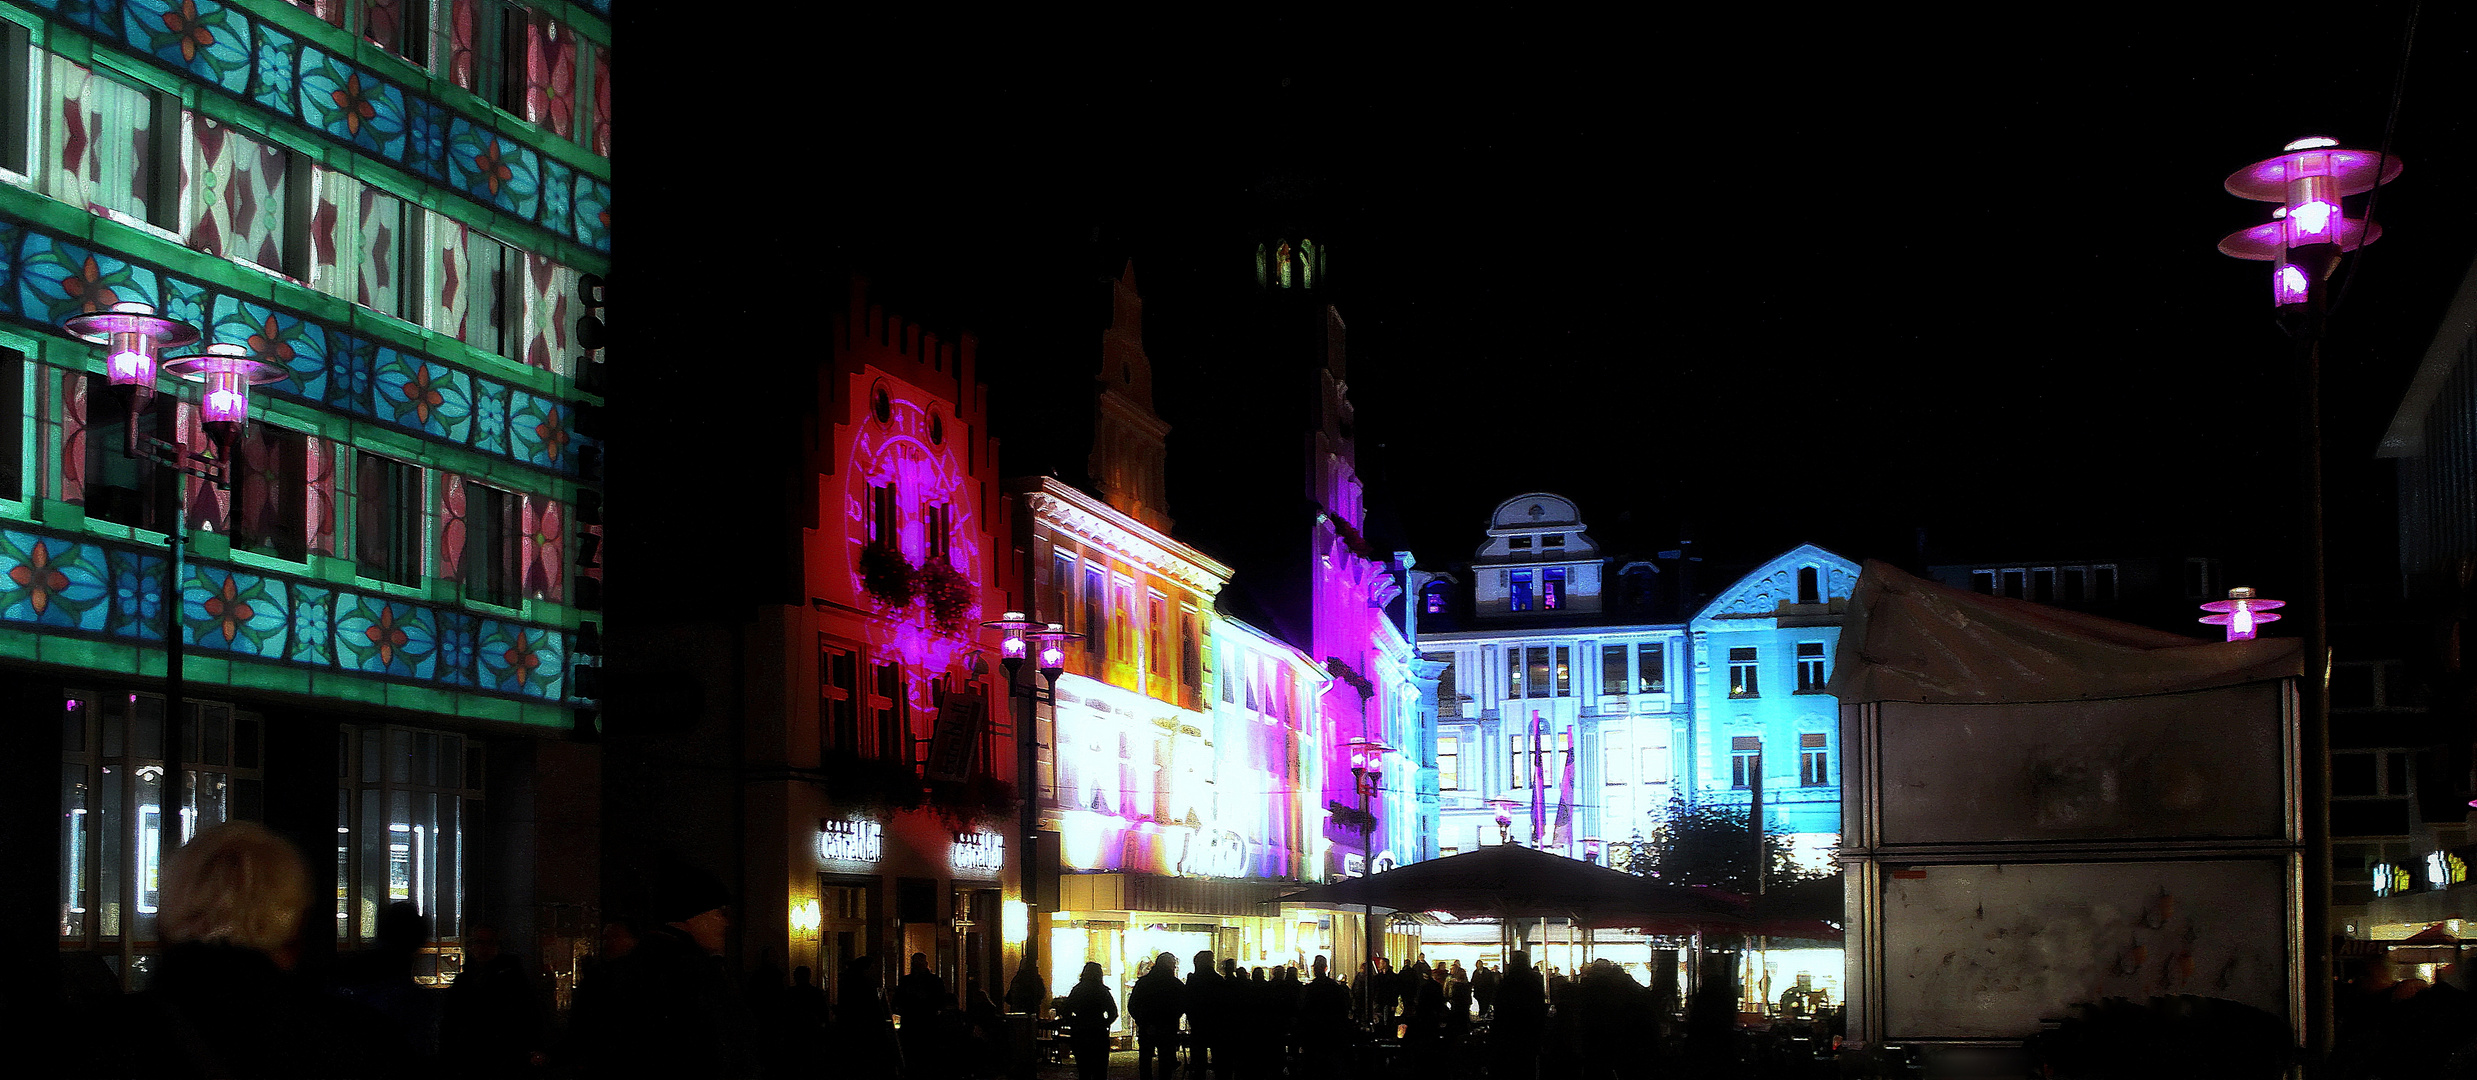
1146,787
907,491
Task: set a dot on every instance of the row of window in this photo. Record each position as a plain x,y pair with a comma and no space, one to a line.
133,154
500,545
1814,760
1615,756
1746,670
519,59
865,711
404,798
1147,635
2048,584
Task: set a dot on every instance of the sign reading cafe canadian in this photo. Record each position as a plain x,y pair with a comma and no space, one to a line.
850,840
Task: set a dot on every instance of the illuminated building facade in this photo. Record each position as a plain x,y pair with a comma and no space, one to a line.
1181,748
386,616
877,734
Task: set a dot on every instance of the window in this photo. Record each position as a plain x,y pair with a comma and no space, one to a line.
1655,765
2076,584
1811,678
1537,677
1552,590
111,789
103,143
1227,672
13,416
21,69
466,277
1156,634
2016,583
1520,596
838,699
387,502
1190,655
1062,584
1565,671
1650,669
1809,590
1553,540
1613,757
1122,614
936,525
1613,669
885,520
403,799
1743,682
1814,761
271,492
2102,583
357,246
1448,695
1745,761
233,199
1095,584
1518,543
1982,582
892,724
1432,597
401,27
2043,584
1521,767
492,527
128,490
1448,763
1513,672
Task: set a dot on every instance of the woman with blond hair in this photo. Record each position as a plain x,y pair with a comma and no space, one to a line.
223,999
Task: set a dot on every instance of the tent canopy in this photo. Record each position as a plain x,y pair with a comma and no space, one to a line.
1513,882
1909,639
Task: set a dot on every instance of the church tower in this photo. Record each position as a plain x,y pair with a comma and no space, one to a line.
1129,440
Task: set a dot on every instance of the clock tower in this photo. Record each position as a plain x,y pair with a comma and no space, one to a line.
1129,440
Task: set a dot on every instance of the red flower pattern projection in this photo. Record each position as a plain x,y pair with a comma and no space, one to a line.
354,102
543,529
420,395
229,611
37,577
87,288
491,165
554,436
268,344
521,660
184,25
385,634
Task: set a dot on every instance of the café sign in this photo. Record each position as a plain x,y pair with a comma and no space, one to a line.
980,852
850,840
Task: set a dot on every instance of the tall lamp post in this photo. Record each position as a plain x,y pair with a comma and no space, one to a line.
2303,242
135,338
1020,639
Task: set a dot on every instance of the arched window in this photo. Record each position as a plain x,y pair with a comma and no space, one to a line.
1432,598
1808,591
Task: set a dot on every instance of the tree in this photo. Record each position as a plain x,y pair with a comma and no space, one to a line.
1712,845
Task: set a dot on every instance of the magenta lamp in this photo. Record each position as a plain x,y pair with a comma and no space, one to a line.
1052,639
2242,613
134,339
1591,849
228,371
1011,630
2305,235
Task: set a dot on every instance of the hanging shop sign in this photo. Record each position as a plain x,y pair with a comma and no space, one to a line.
959,720
850,840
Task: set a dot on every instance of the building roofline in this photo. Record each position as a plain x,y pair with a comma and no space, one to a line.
2406,435
1061,504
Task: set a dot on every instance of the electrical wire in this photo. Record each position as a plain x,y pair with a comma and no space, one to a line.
2382,155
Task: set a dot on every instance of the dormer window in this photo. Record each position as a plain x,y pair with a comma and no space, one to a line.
1553,541
1552,590
1518,543
1521,590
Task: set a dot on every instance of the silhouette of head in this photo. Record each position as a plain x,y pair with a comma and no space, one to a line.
1165,963
236,883
1204,960
1091,973
920,963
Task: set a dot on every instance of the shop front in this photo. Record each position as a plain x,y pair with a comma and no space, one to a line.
1123,921
895,884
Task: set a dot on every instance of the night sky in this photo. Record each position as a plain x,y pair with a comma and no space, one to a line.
1758,279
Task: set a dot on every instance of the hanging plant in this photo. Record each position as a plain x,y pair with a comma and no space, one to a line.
887,576
950,594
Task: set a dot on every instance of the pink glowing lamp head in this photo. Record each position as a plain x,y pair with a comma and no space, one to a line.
2290,284
1591,848
1053,639
134,338
2242,613
228,371
1505,811
1012,628
2313,162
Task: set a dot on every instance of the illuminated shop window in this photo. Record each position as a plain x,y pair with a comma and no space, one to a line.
1814,760
1811,678
1519,596
113,829
1745,755
1743,680
405,796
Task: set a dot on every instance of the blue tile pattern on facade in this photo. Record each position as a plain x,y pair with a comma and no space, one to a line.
259,64
44,278
116,593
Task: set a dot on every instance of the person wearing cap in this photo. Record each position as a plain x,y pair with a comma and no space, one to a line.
683,1015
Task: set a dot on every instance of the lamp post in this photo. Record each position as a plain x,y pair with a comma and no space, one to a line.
2242,613
1020,639
1505,819
135,338
2303,242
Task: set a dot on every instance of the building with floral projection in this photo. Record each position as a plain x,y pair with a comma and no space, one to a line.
386,603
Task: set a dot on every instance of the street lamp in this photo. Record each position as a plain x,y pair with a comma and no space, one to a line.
1591,850
2308,179
2242,613
1505,819
1021,638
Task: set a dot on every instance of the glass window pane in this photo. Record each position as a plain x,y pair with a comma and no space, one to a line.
245,743
149,728
376,838
215,748
115,725
401,861
451,762
74,838
150,848
343,865
249,799
112,841
73,727
399,757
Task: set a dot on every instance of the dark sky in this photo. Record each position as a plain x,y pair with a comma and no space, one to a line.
1762,277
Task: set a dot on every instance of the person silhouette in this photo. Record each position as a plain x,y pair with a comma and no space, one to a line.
1324,1023
922,1000
1156,1001
1091,1010
1207,1018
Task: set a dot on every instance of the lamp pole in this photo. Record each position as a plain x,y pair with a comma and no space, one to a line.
1021,638
2304,241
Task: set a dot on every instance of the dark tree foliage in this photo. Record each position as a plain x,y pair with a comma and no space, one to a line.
1713,846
